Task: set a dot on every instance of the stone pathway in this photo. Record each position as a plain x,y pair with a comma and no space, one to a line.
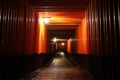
60,69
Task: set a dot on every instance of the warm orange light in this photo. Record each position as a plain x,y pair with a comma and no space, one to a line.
46,20
62,44
58,39
54,40
63,17
40,20
42,36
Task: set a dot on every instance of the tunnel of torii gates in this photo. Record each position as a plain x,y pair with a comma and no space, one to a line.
93,42
32,36
24,32
46,45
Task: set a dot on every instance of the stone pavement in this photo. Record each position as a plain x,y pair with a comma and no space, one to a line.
60,69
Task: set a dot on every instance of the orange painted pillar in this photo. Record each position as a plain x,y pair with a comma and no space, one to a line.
81,35
69,46
84,36
41,44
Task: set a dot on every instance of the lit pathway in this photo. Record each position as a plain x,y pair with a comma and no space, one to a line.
60,69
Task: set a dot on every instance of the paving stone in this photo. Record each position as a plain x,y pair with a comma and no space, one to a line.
60,69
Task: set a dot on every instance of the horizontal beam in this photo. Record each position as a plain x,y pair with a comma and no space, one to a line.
60,0
60,10
58,3
41,1
59,7
61,27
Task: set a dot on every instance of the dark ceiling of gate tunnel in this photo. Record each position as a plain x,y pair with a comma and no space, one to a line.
62,34
59,5
61,31
61,11
66,15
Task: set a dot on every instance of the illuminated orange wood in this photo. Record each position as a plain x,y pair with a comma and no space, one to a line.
42,39
69,46
81,36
